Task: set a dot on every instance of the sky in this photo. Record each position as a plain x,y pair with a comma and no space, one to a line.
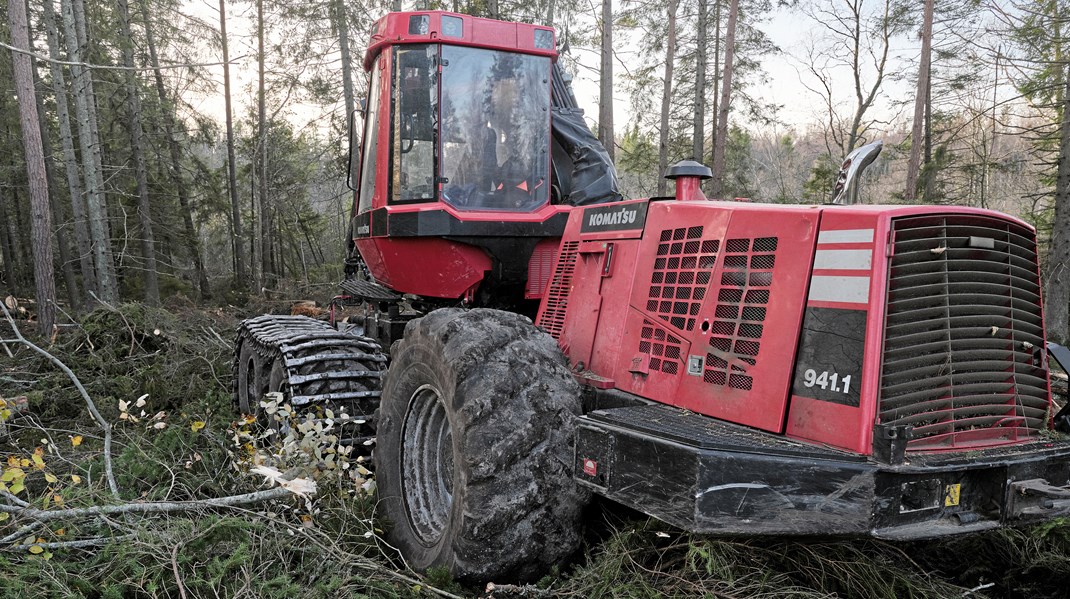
785,86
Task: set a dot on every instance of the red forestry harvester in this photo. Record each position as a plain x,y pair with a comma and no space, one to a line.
727,367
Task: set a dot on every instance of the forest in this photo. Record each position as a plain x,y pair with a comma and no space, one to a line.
170,167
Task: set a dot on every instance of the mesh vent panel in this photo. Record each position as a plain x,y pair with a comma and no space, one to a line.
740,310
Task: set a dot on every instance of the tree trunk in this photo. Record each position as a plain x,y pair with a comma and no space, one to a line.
342,23
698,133
232,161
70,159
175,154
40,220
715,92
605,93
666,96
137,147
89,140
492,8
74,296
726,97
1057,298
920,104
263,231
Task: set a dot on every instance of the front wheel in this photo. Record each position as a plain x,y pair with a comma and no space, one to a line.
475,447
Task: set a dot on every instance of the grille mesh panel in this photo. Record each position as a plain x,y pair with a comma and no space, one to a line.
553,317
963,332
678,282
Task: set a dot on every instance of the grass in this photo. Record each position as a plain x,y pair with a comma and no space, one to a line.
330,548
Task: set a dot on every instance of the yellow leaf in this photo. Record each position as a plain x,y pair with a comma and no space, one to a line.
4,516
12,461
46,502
61,532
38,461
5,414
24,463
76,479
10,474
76,440
36,549
58,499
17,487
51,478
197,425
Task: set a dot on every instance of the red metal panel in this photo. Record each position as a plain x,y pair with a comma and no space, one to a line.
848,239
446,268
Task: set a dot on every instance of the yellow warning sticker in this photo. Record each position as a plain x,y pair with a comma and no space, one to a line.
951,494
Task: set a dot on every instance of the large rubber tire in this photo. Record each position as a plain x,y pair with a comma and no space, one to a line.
475,447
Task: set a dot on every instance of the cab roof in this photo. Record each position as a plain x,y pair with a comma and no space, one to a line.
436,26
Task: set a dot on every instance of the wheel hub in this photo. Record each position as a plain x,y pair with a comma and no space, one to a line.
427,464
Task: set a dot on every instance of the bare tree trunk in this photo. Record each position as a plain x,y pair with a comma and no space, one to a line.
492,9
395,6
262,250
550,13
717,187
921,104
66,263
666,95
342,22
175,153
715,92
137,147
70,159
232,161
698,133
1057,298
40,220
7,250
89,140
605,93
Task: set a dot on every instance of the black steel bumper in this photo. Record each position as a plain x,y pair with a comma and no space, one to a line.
709,477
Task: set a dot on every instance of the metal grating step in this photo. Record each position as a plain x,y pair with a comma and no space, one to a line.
684,426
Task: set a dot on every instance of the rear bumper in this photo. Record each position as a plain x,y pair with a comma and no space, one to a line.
740,482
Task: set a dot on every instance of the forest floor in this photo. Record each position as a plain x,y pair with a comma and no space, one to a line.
162,378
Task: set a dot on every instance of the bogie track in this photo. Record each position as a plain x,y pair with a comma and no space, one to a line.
315,367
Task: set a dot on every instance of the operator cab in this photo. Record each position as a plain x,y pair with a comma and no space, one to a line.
460,111
453,169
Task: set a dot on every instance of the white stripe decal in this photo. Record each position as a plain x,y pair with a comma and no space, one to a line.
843,259
846,236
851,290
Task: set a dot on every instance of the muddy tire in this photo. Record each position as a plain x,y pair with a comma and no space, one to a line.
475,447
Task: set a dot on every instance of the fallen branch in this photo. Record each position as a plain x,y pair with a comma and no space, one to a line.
152,507
69,544
109,472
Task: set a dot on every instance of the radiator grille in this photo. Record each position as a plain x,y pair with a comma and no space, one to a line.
553,316
681,275
737,327
963,333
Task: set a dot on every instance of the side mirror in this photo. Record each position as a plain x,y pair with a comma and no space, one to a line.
847,181
353,164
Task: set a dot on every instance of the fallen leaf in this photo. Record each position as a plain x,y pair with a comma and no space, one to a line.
51,478
4,516
160,425
76,479
36,549
197,425
76,440
124,405
17,487
141,400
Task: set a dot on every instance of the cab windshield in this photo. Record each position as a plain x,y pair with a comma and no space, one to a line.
495,130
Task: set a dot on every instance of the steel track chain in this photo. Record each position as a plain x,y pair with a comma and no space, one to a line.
324,369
